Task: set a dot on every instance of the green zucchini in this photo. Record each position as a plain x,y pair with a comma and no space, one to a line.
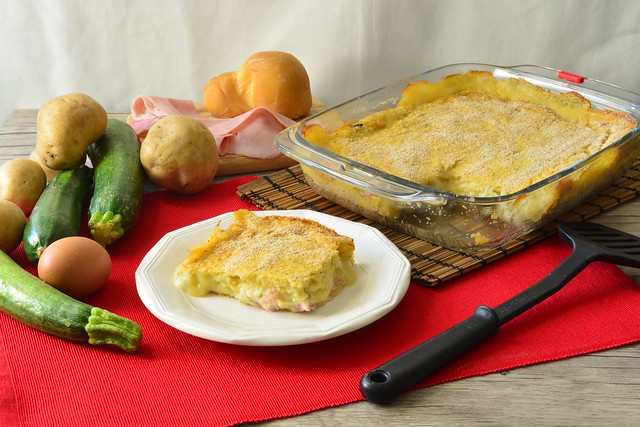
118,182
35,303
57,212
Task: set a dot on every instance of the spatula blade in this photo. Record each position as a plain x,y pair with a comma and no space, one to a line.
610,245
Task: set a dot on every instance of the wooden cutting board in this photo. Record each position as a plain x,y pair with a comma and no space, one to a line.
233,164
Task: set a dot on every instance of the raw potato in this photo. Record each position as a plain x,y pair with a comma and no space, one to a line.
50,173
22,181
66,126
180,154
12,223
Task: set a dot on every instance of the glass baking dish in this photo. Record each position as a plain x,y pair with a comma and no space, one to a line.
462,223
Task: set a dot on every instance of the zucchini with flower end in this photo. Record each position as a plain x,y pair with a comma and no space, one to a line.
118,182
35,303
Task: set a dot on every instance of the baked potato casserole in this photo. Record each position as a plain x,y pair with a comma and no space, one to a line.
468,162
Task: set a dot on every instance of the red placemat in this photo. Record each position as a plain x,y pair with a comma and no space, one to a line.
179,380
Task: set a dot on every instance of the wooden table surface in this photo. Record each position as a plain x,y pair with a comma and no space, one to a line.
598,389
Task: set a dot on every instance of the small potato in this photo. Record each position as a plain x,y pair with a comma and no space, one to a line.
65,127
50,173
180,154
12,223
22,181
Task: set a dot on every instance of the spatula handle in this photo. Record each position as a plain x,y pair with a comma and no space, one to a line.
406,370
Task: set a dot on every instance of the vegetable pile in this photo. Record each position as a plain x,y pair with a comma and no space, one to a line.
84,161
42,200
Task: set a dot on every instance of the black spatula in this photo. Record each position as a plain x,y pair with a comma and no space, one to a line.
590,242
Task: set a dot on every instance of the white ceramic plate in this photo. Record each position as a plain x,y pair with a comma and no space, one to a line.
383,275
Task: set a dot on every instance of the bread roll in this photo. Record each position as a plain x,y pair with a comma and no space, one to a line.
276,80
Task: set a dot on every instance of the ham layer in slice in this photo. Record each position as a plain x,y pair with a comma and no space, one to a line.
251,134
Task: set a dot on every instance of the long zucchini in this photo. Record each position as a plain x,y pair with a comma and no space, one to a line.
57,212
118,182
35,303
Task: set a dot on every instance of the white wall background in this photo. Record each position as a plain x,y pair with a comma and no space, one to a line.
115,50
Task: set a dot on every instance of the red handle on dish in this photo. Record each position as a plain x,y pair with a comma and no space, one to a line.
574,78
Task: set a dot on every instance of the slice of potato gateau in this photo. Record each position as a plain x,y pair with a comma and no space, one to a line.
272,262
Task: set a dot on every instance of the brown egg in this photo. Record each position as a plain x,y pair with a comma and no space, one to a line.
77,266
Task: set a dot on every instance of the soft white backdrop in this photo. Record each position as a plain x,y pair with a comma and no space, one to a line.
114,50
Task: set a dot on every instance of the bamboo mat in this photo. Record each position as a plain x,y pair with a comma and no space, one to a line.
430,264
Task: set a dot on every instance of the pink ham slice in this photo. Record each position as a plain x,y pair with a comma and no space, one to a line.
251,134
